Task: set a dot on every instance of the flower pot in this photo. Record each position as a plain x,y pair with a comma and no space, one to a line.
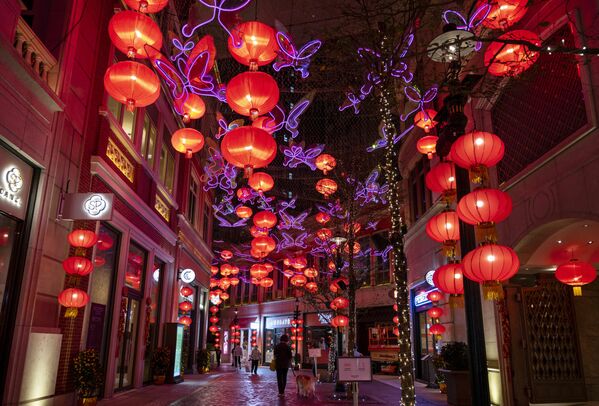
159,379
442,387
458,387
83,401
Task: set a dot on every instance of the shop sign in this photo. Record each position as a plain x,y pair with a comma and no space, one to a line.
87,206
384,356
15,184
354,369
187,275
278,322
421,298
429,278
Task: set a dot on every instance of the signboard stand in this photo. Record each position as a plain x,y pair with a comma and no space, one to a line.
315,353
173,339
354,370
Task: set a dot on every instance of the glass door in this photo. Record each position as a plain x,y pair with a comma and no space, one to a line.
9,230
153,313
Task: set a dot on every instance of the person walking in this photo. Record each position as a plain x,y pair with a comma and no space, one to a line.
218,357
282,354
237,353
255,357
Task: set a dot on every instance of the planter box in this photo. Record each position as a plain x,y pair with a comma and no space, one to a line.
458,387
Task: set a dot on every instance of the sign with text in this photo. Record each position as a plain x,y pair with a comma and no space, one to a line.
278,322
314,352
87,206
354,369
15,184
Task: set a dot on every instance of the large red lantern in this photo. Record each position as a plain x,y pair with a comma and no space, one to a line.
248,148
192,108
339,302
185,306
441,179
129,31
505,59
450,279
325,163
187,141
310,272
257,44
226,255
427,145
82,238
264,245
298,280
576,274
484,208
265,219
322,217
147,6
445,228
78,266
324,234
504,13
437,330
326,187
243,212
434,296
252,94
185,320
477,151
311,287
425,119
435,312
132,84
258,271
261,182
186,291
340,321
266,283
490,265
72,299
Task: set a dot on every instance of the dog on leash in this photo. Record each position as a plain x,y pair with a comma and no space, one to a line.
306,386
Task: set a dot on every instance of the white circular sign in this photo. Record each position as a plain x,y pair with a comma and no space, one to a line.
188,275
429,278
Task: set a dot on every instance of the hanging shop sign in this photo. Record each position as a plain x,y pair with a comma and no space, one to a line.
187,275
429,277
278,322
15,184
420,299
87,206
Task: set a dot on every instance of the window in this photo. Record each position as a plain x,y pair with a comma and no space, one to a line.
253,293
148,140
167,167
123,116
193,199
206,220
380,244
362,261
420,196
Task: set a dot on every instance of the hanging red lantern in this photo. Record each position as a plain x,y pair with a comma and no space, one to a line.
244,193
213,309
441,179
234,281
505,59
185,320
298,280
225,269
576,274
258,232
213,319
214,269
326,187
132,84
477,151
437,330
445,228
427,145
224,296
82,238
504,13
322,217
490,265
324,234
185,306
224,283
299,262
213,329
252,94
396,331
265,219
192,108
395,319
258,271
234,270
186,291
311,287
339,302
129,31
243,212
310,272
265,123
450,279
266,283
338,284
104,242
72,299
264,245
356,249
248,148
257,44
78,266
325,163
147,6
261,182
484,208
213,283
435,312
187,141
434,296
288,273
425,119
340,321
226,255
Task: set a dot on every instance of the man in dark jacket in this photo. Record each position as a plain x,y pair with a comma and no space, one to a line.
283,356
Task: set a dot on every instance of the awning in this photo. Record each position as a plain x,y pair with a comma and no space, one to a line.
245,322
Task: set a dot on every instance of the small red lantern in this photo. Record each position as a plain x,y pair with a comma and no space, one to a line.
257,44
226,255
490,265
213,329
477,151
186,291
244,193
484,208
339,302
185,306
437,330
213,309
252,94
427,145
258,271
234,270
445,228
434,296
224,296
129,31
505,59
504,13
263,245
265,219
576,274
266,283
326,187
213,319
435,312
78,266
225,269
248,148
132,84
258,232
322,217
311,287
324,234
261,182
147,6
214,269
425,119
441,179
243,212
450,279
325,163
310,273
395,319
72,299
104,242
340,321
234,281
213,283
185,320
224,283
82,238
187,141
338,284
298,280
299,262
192,108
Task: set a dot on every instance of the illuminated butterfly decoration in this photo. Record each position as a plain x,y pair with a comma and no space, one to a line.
381,142
289,222
284,205
332,209
264,202
363,253
371,225
292,121
318,251
289,56
478,16
296,155
289,241
218,173
225,207
218,7
416,96
370,191
223,222
224,127
384,253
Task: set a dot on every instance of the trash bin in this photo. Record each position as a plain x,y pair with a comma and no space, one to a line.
428,371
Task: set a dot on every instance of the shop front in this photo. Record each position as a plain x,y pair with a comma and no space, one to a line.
425,344
318,333
274,328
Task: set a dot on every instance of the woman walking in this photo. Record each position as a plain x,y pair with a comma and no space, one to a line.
282,353
255,358
237,353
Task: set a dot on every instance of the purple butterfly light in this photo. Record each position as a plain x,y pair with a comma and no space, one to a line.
218,7
289,56
296,155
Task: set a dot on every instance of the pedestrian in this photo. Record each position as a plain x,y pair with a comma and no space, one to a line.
255,358
237,353
282,353
218,357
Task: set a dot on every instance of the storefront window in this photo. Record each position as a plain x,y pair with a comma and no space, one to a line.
153,312
123,116
193,199
380,243
8,234
206,225
167,167
148,140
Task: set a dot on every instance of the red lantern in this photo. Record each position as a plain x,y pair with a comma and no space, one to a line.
427,145
265,123
226,255
325,163
132,84
185,306
257,44
244,193
477,151
72,299
82,238
298,280
484,208
214,269
396,331
311,287
224,296
264,245
324,234
340,321
213,309
425,119
356,226
436,329
265,219
192,108
323,217
243,212
258,232
129,31
225,269
435,312
261,182
434,296
505,59
252,94
441,179
576,274
504,13
338,284
450,279
213,319
445,228
213,283
356,249
146,6
310,272
266,283
396,319
186,291
339,302
299,262
187,141
213,329
224,283
104,242
258,271
248,148
78,266
185,320
234,281
234,270
326,187
490,265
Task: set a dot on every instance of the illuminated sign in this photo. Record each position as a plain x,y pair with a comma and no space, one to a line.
15,184
278,322
429,278
187,275
87,206
95,205
421,298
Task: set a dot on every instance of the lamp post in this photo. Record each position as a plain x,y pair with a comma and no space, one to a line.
296,319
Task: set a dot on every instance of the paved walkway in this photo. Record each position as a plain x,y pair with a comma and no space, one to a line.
229,387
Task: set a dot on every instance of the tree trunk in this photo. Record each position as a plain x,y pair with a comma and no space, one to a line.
351,291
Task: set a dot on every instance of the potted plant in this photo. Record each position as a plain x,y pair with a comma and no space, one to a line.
455,371
438,364
203,361
160,362
87,376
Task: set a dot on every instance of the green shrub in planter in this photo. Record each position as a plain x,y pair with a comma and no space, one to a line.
160,362
87,373
203,361
455,356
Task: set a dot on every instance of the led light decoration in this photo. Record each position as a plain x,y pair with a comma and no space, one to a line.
296,155
218,173
289,241
289,56
218,7
289,222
